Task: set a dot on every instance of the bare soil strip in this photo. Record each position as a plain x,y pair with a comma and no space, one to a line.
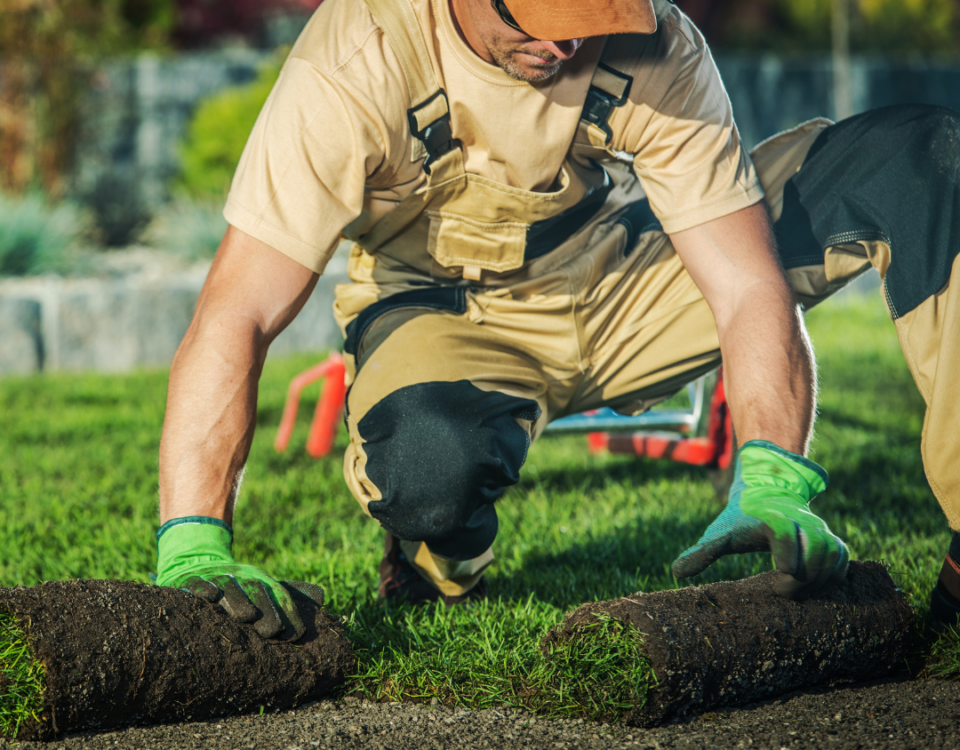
899,715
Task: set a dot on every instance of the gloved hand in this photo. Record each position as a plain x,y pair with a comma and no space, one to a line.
767,509
194,554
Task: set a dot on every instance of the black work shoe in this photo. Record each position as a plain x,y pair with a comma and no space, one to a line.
944,609
945,597
399,580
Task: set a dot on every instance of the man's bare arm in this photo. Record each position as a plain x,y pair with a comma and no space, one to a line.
251,294
769,378
768,375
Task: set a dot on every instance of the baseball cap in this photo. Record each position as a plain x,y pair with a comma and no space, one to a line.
556,20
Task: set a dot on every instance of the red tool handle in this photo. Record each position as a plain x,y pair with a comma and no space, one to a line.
333,369
329,408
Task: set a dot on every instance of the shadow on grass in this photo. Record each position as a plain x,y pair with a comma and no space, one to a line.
885,487
841,418
630,474
604,567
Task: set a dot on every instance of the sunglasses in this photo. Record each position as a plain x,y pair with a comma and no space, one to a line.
506,16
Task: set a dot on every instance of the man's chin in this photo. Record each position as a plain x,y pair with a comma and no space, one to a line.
529,73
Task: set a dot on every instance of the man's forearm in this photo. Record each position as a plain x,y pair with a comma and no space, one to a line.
769,376
252,292
768,362
770,384
210,418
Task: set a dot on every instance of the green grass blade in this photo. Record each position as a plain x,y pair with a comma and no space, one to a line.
21,679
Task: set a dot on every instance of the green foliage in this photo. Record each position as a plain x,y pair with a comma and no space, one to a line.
190,228
21,679
888,27
909,26
87,29
48,50
78,461
35,235
217,134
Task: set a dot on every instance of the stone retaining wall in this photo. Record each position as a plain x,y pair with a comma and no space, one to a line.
120,324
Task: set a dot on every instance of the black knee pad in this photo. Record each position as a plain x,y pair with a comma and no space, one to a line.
441,454
891,174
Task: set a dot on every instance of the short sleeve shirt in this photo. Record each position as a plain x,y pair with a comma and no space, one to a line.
332,149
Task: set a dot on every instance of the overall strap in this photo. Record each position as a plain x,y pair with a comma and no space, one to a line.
429,113
609,89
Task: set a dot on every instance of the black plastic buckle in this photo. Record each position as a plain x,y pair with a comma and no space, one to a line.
599,104
437,137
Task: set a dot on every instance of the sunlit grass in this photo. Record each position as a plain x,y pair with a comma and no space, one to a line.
78,464
944,658
21,678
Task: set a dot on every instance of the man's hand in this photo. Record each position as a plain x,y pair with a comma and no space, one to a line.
194,554
768,509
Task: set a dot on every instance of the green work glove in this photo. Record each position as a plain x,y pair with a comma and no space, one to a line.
194,554
768,509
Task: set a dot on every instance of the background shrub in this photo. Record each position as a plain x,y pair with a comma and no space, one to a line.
192,229
37,236
886,27
216,136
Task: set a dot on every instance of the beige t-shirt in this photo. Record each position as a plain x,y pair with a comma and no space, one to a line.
332,148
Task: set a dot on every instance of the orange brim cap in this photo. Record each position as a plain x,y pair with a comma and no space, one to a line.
556,20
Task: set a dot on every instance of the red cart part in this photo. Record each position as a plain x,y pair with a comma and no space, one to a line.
323,428
715,449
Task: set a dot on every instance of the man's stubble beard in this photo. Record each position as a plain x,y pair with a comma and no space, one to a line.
503,55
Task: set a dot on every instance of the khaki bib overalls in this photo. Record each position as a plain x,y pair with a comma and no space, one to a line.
569,299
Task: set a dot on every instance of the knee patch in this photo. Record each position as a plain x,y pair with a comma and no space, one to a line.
891,174
441,454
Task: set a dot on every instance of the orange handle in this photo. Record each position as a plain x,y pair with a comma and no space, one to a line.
333,363
329,408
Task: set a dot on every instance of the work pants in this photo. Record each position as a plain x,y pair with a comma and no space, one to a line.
451,384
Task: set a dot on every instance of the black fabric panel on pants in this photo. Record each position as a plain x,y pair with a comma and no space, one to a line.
892,174
441,454
453,298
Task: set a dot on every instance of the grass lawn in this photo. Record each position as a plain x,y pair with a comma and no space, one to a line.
78,488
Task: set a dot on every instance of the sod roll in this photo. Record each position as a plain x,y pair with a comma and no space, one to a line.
116,653
738,642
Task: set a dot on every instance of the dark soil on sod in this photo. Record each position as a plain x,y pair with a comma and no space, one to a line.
737,642
900,715
119,653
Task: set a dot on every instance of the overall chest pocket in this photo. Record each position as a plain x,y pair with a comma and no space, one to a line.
459,241
481,224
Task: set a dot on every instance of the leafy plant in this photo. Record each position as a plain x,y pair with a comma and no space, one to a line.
35,235
910,26
189,228
899,27
48,50
217,134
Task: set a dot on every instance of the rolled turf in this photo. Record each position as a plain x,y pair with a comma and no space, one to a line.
739,642
114,653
